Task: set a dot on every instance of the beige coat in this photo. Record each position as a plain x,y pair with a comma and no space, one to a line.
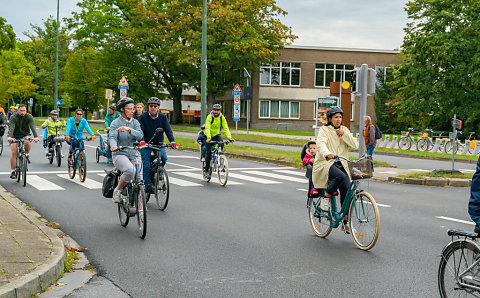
328,142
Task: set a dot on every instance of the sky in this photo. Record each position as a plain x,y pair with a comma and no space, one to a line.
367,24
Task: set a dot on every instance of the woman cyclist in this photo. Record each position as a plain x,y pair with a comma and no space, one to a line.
333,139
124,131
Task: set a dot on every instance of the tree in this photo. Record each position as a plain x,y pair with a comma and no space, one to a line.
7,36
439,74
15,76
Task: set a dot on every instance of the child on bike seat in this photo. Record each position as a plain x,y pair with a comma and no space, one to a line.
308,159
202,140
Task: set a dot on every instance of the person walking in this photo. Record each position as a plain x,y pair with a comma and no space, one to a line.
369,136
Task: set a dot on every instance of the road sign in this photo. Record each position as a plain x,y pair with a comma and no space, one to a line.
31,102
123,84
108,93
123,93
236,90
236,99
236,113
59,101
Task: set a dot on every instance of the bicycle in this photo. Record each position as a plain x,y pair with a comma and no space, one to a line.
55,152
458,145
359,206
218,163
406,141
158,177
473,143
133,193
21,165
4,126
459,269
424,142
78,160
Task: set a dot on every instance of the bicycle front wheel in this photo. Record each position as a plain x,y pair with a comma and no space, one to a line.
422,145
50,157
162,188
364,220
222,170
24,169
71,166
123,212
404,143
141,205
319,222
454,269
1,145
82,166
58,155
19,167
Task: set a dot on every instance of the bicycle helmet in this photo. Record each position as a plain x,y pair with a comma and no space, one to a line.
314,141
112,106
154,100
217,107
202,127
123,102
54,112
332,111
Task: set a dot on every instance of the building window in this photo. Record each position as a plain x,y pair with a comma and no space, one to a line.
383,72
243,109
326,73
279,109
282,74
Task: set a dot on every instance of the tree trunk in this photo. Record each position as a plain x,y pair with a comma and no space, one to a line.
177,105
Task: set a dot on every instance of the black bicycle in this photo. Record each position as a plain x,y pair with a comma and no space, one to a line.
2,127
55,151
159,185
78,160
21,166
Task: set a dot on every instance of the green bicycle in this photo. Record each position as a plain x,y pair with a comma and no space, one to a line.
359,207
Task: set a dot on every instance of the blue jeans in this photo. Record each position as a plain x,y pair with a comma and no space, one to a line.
75,144
370,149
146,163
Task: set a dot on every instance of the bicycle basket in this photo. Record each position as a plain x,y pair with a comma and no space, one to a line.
361,169
59,138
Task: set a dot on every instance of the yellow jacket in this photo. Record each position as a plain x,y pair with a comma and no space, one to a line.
328,142
51,130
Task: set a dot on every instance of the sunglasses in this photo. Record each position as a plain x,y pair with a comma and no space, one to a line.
153,106
79,114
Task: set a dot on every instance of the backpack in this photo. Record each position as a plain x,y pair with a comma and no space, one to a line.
378,132
221,119
110,181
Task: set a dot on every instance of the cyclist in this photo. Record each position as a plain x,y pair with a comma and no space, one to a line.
74,131
13,110
20,126
49,132
149,122
214,122
474,202
111,115
333,139
139,110
124,131
202,141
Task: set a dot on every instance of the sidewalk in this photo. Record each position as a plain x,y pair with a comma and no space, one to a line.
31,254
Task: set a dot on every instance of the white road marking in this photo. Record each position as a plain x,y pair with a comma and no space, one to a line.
419,170
456,220
467,170
52,172
254,179
277,176
301,189
184,156
263,168
178,165
297,173
94,147
89,183
200,177
42,184
181,182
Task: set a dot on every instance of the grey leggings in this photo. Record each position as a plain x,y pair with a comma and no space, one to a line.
126,166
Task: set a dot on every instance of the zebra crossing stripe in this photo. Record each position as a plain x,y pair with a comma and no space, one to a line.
254,179
290,172
200,177
42,184
89,183
181,182
277,176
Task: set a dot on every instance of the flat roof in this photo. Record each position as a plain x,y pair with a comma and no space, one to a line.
341,49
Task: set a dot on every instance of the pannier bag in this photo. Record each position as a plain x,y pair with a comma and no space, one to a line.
110,181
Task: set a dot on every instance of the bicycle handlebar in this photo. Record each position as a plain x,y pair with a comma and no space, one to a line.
221,142
137,146
338,158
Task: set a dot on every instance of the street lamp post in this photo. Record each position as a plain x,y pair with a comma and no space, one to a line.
56,62
203,103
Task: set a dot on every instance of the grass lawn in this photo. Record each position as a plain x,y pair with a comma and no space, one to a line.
443,175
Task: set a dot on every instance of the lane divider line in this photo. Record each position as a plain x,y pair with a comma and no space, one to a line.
456,220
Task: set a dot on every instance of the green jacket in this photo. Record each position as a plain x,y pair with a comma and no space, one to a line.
109,118
51,130
21,126
213,128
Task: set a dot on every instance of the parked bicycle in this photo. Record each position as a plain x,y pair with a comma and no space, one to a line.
359,207
406,141
473,142
424,142
55,151
134,198
160,187
21,166
218,163
458,145
78,160
459,268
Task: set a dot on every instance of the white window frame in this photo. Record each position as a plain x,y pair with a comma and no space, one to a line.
335,70
384,73
279,109
280,66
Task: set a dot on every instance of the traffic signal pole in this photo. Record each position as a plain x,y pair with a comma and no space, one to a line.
362,89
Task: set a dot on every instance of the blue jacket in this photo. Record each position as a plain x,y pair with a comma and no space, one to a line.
202,138
474,202
149,125
73,131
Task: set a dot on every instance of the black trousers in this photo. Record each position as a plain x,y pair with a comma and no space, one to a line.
338,179
208,153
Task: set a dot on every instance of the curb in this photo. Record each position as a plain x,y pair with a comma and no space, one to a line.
43,275
432,181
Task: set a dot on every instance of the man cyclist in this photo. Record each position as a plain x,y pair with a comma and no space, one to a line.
20,126
149,122
52,122
214,122
74,131
111,115
13,110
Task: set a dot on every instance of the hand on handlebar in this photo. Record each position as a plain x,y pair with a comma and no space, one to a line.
231,140
329,156
114,149
35,140
175,145
67,137
11,139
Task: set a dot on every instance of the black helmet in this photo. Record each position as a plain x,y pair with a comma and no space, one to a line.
202,127
112,106
332,111
217,107
154,100
54,112
123,102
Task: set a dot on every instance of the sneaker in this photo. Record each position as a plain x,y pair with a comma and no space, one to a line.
28,158
202,159
314,192
13,175
117,196
108,161
346,227
207,176
63,155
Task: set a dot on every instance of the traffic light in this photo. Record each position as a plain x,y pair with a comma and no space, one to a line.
354,80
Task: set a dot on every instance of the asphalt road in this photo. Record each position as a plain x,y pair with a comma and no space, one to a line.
247,239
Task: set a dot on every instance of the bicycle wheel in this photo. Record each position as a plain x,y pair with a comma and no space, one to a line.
319,223
222,170
82,166
162,188
123,211
422,145
456,258
404,143
19,166
24,169
97,155
51,157
364,220
1,145
141,206
58,154
449,147
72,167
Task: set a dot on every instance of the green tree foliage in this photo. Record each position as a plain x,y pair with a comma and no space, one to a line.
384,101
439,73
16,80
7,36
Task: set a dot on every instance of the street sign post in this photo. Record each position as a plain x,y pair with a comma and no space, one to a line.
59,102
236,92
123,86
